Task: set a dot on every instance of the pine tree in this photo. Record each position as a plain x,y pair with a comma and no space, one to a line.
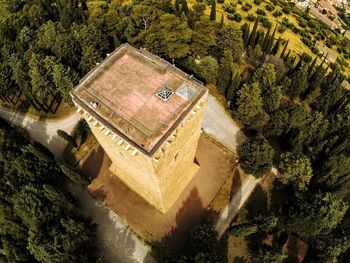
284,49
213,11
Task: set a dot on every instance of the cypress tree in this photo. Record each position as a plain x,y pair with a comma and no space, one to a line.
284,49
266,40
185,7
252,35
225,72
213,11
271,40
233,89
177,7
276,46
287,56
222,21
312,66
245,34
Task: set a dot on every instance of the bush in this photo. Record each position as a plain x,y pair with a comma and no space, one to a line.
315,50
286,9
261,12
251,17
221,1
277,13
281,28
270,7
246,7
230,16
257,2
239,2
230,8
237,17
266,23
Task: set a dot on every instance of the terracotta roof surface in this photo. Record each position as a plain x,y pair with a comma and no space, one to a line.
123,88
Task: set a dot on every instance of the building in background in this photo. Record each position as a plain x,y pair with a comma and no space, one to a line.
147,116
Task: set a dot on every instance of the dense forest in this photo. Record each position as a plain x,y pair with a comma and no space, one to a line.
294,110
39,221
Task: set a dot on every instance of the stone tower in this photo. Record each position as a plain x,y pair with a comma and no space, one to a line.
147,116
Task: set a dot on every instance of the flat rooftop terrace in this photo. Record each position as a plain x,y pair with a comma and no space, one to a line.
121,93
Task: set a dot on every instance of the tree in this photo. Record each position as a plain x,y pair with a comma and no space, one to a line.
184,8
75,176
68,138
226,67
203,37
317,215
249,108
203,238
256,156
243,229
299,82
252,36
230,38
173,37
271,94
213,11
335,171
207,69
295,168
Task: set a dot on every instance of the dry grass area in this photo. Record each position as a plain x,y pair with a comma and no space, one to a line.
166,231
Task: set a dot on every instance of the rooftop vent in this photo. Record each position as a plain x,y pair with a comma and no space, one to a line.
164,93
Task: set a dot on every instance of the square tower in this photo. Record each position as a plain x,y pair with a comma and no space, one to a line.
147,116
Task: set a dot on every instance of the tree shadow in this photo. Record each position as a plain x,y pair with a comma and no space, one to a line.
187,216
93,163
238,259
116,242
257,204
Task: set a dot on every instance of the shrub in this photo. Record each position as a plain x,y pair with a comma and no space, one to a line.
266,23
246,7
286,9
261,12
277,13
230,16
315,50
221,1
257,2
281,28
270,7
239,2
229,8
251,17
237,17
